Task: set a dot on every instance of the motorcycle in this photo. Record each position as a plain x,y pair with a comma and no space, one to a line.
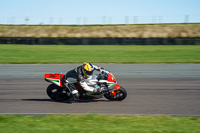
60,92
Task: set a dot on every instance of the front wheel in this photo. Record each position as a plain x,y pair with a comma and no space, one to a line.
116,95
57,93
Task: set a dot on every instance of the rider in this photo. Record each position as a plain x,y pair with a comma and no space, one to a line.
79,75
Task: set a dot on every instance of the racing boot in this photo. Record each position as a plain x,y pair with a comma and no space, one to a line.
75,95
74,92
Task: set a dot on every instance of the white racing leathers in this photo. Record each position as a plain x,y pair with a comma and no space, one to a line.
76,76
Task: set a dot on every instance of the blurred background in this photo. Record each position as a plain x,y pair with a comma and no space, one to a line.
99,19
104,12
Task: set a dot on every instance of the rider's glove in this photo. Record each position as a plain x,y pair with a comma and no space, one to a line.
103,71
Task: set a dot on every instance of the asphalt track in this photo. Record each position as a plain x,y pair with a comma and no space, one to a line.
169,89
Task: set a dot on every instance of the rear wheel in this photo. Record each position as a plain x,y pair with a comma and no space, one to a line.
57,93
116,95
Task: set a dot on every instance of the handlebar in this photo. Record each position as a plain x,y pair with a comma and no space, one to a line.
103,74
103,71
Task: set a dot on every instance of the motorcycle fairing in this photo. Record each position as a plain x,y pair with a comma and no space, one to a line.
111,85
117,86
56,78
111,78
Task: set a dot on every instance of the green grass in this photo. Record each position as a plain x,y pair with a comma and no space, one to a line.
92,123
28,54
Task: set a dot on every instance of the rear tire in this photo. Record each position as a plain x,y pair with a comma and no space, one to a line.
121,94
57,93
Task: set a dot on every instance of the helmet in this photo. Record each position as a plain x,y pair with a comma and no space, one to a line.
87,69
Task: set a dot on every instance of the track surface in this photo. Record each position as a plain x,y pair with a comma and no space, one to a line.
172,89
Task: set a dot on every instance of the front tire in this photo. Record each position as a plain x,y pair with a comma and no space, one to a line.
120,94
57,93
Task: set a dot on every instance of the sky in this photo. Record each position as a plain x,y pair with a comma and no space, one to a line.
98,11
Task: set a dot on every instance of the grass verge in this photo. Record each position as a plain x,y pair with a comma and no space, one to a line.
98,124
48,54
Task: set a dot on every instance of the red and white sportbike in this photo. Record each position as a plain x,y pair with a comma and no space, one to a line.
58,90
